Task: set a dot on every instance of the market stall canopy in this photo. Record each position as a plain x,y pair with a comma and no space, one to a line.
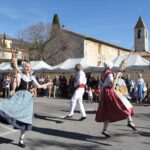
135,63
69,64
40,66
37,66
5,67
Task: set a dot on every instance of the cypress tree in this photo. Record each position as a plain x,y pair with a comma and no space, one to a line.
56,21
55,29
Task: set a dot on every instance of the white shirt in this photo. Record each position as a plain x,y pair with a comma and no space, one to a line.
80,78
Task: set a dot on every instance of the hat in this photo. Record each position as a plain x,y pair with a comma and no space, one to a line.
108,64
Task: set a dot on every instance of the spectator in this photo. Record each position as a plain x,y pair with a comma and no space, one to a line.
49,87
90,94
140,88
121,86
56,84
6,86
130,86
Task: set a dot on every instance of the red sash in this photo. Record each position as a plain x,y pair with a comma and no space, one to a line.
80,86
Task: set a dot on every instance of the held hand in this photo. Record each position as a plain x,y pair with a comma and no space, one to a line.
45,87
11,93
47,84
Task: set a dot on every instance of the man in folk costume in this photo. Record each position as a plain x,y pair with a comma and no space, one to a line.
112,106
79,84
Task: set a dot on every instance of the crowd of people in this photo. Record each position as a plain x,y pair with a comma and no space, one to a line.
61,86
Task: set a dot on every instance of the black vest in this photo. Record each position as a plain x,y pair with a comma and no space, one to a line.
24,85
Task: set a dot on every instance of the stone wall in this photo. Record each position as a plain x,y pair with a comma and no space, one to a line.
63,47
95,52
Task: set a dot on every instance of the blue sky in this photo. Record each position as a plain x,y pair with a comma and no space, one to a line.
112,21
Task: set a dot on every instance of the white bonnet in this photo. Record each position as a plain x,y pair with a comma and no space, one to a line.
108,64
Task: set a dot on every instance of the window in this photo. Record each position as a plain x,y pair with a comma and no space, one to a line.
139,34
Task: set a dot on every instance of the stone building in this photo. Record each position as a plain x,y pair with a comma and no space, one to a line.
74,45
69,44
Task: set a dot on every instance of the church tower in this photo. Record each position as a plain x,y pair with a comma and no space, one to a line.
140,36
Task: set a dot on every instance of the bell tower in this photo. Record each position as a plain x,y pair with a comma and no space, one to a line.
140,36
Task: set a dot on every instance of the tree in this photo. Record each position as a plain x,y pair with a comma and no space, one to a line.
36,34
56,28
40,34
56,21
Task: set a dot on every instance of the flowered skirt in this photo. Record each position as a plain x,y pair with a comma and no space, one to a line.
18,110
113,106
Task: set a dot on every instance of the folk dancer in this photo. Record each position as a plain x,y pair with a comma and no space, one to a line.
112,106
79,84
18,109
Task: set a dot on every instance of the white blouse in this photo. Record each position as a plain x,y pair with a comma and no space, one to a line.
27,78
109,80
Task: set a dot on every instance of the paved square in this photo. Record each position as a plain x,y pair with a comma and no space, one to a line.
52,132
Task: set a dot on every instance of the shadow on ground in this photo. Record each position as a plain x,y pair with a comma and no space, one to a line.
62,145
49,118
5,141
71,135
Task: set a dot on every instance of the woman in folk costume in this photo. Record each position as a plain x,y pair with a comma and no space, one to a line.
18,110
112,106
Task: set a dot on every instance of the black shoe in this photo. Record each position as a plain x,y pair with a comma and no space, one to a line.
106,134
82,118
22,145
132,127
68,117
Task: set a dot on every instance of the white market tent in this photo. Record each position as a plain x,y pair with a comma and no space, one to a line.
66,66
5,67
40,66
37,66
69,64
135,63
